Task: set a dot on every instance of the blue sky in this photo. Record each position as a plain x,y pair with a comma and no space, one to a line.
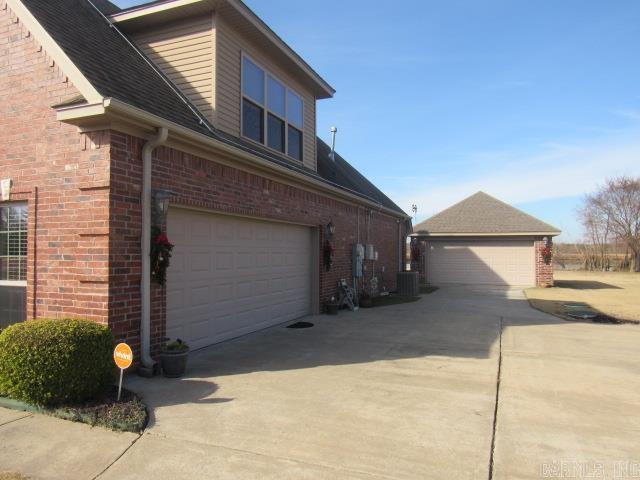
535,103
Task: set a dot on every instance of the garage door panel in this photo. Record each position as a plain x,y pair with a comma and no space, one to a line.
234,276
493,262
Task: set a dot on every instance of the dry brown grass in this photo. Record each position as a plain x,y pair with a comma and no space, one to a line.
616,294
12,476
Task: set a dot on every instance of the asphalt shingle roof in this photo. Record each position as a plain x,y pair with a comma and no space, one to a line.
117,70
343,173
482,214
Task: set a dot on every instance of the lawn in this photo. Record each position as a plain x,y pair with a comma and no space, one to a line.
12,476
615,294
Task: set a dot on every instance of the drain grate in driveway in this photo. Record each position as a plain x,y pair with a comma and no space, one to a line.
300,325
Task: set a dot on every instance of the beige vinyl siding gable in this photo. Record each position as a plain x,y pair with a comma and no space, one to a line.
185,51
230,46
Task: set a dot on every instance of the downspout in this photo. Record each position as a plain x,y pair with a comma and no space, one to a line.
145,283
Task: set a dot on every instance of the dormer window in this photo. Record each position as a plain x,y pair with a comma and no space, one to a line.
272,113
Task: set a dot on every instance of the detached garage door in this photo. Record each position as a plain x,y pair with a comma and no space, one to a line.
487,262
230,276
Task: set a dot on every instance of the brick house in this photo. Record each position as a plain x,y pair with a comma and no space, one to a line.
483,241
102,109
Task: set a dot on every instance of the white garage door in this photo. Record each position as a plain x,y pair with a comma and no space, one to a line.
230,276
490,262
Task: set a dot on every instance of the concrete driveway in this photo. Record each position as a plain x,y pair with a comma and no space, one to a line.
402,392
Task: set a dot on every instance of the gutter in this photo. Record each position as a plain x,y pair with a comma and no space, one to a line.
145,282
472,234
70,114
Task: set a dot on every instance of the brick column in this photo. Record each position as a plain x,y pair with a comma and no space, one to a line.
544,272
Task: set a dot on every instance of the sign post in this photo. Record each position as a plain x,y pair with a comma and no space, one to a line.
123,356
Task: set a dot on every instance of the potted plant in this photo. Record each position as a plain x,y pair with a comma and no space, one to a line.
332,306
366,301
173,358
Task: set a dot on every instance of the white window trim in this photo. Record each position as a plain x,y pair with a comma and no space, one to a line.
15,283
266,111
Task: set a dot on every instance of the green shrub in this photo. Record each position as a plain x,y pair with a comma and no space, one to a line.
49,362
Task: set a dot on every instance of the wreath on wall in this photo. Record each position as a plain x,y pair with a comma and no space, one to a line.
547,253
328,252
415,251
160,255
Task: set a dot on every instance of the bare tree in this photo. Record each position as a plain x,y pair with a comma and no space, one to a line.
615,209
597,227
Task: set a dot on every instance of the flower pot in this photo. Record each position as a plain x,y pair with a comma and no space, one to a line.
174,362
332,308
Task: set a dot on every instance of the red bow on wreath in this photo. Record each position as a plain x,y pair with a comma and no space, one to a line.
160,255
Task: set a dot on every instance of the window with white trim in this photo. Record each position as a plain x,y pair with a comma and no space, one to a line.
13,262
13,242
272,113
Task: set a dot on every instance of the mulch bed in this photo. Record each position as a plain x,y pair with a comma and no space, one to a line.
127,415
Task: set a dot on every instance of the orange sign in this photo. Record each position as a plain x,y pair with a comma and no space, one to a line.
123,356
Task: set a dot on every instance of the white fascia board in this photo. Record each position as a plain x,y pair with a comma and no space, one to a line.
144,10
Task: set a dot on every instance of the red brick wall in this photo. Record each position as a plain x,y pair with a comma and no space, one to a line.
210,185
63,176
83,192
544,272
125,221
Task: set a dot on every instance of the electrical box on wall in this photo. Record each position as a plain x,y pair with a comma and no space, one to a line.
358,258
369,255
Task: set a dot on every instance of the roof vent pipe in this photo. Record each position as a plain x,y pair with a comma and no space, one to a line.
332,155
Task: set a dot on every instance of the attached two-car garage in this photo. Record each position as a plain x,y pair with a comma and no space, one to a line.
233,275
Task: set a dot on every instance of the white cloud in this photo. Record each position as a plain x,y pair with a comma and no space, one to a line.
558,171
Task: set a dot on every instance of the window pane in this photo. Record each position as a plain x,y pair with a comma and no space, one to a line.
252,121
275,131
13,305
294,109
295,143
275,96
253,81
13,242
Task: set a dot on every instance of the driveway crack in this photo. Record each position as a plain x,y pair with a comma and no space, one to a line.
495,408
16,419
117,458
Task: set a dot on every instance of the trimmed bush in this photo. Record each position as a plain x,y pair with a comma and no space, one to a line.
50,362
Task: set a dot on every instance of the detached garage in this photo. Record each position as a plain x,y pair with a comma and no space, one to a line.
483,241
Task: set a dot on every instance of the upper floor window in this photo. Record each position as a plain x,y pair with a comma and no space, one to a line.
272,113
13,243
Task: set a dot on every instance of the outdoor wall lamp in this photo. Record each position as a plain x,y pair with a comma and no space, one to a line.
161,206
331,229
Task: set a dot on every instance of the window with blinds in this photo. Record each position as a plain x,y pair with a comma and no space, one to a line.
13,243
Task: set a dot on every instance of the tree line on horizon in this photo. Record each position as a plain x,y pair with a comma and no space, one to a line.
610,217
